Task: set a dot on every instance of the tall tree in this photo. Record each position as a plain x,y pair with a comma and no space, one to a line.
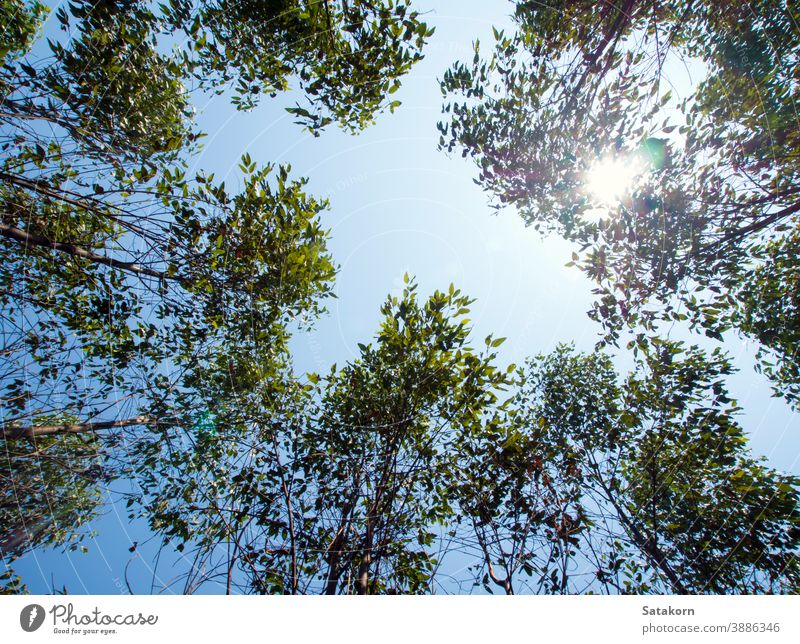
581,86
51,493
336,486
129,289
390,473
647,484
117,263
111,246
388,426
124,281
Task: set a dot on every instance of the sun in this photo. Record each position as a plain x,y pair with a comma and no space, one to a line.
608,180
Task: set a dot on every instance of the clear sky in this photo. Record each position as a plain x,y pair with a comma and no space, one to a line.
398,205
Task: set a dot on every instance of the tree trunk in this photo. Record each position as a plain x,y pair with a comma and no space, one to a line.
362,579
645,545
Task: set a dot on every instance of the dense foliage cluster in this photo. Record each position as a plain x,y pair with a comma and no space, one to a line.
716,203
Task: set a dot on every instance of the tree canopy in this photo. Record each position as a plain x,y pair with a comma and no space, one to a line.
105,230
580,86
346,56
556,477
126,281
147,310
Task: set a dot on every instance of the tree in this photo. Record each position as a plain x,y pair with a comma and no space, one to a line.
236,271
389,422
523,481
100,218
118,264
581,85
221,269
129,288
123,279
335,486
657,491
520,493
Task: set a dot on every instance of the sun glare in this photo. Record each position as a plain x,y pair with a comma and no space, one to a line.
609,180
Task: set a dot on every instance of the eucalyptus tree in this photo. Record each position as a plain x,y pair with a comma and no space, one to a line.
125,281
341,484
69,320
583,88
635,486
220,269
237,271
381,475
521,478
723,520
130,288
98,175
387,441
104,229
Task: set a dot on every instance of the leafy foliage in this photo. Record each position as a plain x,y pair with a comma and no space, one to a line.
132,294
124,280
646,485
346,56
370,479
581,84
117,264
334,486
147,311
51,488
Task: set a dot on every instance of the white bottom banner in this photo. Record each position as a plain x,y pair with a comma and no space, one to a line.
591,619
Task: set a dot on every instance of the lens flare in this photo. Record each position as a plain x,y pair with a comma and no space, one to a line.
609,180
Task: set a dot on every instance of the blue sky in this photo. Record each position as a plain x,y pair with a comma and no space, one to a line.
399,205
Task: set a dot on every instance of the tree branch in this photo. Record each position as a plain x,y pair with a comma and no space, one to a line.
30,239
34,431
